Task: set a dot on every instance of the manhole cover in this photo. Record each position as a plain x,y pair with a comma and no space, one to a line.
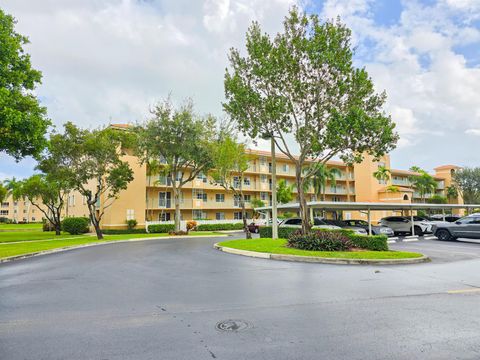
232,325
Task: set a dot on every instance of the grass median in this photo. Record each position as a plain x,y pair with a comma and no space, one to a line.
16,243
277,246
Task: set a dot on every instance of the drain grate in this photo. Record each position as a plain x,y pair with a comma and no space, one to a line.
231,325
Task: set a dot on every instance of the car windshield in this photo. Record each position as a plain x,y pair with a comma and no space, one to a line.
318,221
359,222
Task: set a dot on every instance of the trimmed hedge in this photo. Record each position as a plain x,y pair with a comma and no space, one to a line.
216,227
161,228
123,231
283,232
76,225
320,241
374,242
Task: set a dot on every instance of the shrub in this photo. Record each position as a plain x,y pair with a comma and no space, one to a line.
283,232
123,231
161,228
76,225
320,241
176,233
191,225
216,227
47,225
5,220
374,242
131,224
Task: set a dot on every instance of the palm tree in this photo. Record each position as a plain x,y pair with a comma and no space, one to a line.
451,192
14,189
382,174
321,175
423,183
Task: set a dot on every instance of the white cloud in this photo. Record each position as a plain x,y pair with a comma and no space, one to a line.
475,132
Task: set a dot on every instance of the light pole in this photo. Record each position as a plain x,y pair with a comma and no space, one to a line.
274,192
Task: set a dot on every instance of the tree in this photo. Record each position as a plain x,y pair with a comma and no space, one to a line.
256,203
153,168
303,83
14,189
467,182
182,140
284,192
230,162
438,199
23,121
423,183
321,175
90,161
451,192
50,192
393,189
3,193
382,174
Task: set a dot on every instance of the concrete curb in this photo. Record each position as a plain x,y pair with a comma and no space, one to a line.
67,248
315,259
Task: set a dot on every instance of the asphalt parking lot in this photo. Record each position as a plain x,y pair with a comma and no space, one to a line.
181,299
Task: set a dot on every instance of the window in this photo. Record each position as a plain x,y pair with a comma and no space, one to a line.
130,214
263,160
263,178
220,216
179,176
199,215
5,204
33,219
200,195
263,196
246,181
219,198
164,217
237,215
3,212
71,200
247,198
202,177
285,168
164,199
236,181
24,211
405,197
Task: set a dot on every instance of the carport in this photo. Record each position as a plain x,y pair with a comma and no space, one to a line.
369,207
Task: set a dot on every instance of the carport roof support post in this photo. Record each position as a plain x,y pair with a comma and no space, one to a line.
369,222
412,223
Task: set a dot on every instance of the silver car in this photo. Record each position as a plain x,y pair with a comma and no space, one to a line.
467,227
318,223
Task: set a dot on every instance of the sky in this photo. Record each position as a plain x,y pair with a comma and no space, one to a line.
110,61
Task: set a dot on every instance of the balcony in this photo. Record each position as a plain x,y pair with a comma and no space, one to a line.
403,182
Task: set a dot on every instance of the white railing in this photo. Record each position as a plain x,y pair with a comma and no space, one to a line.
183,223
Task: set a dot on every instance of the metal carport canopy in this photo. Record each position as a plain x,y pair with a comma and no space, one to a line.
371,206
334,205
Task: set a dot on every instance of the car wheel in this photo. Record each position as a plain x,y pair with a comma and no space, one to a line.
443,235
417,231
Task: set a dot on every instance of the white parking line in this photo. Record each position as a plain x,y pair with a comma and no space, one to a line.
410,239
391,241
430,238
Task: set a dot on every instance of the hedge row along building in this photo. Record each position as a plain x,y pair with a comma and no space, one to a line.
149,196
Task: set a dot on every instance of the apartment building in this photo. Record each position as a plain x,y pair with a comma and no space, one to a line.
150,197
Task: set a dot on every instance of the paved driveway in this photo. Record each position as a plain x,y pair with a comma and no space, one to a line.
163,299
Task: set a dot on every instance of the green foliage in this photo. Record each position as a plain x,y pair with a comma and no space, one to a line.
3,193
284,192
320,174
303,83
161,228
393,189
283,232
451,192
382,174
319,241
467,182
182,140
23,121
217,227
76,225
89,161
373,242
131,224
437,199
288,214
423,183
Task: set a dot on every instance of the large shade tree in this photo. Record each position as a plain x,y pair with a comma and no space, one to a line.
23,121
302,89
181,141
91,163
467,182
423,183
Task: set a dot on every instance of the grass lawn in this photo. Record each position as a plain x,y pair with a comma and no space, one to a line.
20,227
277,246
33,242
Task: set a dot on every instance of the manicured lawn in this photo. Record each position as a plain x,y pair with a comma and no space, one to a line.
278,247
33,242
20,227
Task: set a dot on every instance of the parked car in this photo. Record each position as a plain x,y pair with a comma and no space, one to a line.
318,223
467,227
403,225
448,218
345,225
376,229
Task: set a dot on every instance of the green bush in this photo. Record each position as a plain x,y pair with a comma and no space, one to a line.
161,228
123,231
320,241
283,232
76,225
216,227
131,224
374,242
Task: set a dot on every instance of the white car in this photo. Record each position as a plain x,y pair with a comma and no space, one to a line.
317,224
403,225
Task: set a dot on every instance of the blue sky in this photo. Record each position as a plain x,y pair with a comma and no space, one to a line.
110,61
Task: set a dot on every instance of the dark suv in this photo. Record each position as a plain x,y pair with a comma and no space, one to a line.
467,227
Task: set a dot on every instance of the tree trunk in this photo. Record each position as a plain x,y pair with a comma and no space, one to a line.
302,201
248,235
99,233
95,222
58,229
176,200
